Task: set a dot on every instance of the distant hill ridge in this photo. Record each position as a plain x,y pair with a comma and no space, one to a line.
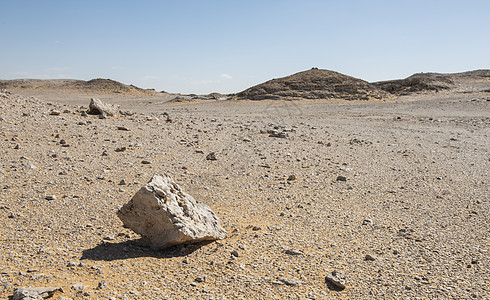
95,85
311,84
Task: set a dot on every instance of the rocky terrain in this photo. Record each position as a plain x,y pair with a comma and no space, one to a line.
321,199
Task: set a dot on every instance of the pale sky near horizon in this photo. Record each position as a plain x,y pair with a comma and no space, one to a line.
228,46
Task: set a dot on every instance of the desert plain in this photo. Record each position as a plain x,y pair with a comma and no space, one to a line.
390,192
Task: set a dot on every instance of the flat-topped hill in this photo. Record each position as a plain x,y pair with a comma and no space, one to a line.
106,86
437,82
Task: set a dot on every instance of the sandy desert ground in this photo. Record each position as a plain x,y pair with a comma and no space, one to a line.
394,195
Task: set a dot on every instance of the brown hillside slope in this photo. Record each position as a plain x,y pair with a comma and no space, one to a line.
315,84
437,82
106,86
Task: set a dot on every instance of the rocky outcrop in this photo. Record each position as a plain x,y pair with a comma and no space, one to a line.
314,84
418,83
165,215
98,107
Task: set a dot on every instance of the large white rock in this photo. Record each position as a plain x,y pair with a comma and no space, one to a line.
164,214
97,107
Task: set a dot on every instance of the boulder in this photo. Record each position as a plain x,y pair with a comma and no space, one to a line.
165,215
34,293
98,107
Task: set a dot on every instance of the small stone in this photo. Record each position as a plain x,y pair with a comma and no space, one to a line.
105,153
293,252
122,182
290,282
335,280
123,128
50,197
120,149
367,221
200,279
78,287
291,177
109,238
211,156
235,253
146,162
71,264
101,285
256,228
341,178
277,134
370,257
55,112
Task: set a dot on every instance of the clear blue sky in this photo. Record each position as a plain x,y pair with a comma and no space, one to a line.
226,46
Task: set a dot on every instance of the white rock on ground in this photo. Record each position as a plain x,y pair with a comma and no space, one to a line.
97,107
164,214
34,293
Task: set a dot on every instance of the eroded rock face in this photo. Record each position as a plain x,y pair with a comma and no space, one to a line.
97,107
164,214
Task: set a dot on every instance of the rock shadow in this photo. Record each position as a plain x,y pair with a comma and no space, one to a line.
107,251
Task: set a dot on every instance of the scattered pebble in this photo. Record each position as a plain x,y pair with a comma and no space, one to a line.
335,280
293,252
341,178
370,257
211,156
290,282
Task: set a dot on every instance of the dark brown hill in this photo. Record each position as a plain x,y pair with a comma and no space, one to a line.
417,83
315,84
437,82
99,85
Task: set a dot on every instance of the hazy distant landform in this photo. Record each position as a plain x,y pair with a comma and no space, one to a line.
311,84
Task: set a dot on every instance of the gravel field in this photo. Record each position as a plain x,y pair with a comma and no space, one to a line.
392,195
